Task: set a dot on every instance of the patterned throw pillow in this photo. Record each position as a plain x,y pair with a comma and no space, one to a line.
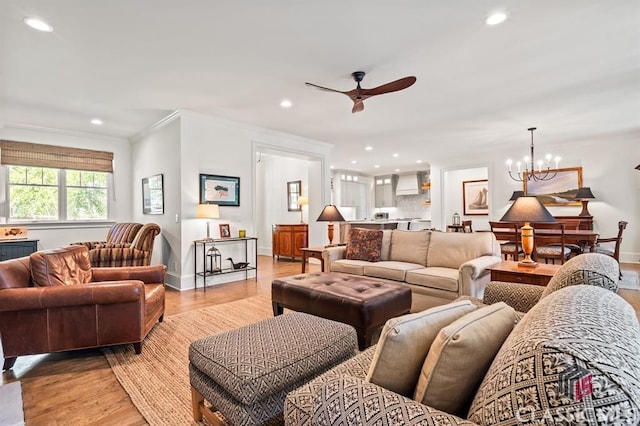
364,244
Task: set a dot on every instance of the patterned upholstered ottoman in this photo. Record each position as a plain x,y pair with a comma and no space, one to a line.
246,373
366,303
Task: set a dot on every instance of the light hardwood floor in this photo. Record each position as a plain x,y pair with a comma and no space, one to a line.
79,388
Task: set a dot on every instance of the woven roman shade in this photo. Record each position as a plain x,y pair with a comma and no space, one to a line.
57,157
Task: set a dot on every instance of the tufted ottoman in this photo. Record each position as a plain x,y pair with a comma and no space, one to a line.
365,303
246,373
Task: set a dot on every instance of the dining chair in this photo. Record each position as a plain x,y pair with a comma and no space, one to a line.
550,245
466,226
511,246
612,245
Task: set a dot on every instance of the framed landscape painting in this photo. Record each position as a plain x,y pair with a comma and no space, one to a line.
559,191
475,197
221,190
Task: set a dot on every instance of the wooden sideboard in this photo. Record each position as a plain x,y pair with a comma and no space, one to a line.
582,222
13,249
288,240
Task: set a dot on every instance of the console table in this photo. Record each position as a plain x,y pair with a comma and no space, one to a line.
206,245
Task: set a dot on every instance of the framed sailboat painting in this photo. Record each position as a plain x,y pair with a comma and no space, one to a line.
475,197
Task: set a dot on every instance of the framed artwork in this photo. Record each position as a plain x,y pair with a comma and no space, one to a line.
225,230
221,190
153,195
475,197
559,191
294,190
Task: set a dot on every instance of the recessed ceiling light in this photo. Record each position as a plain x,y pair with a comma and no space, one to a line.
96,122
38,24
418,161
496,18
397,170
354,161
331,167
286,103
368,148
377,166
396,155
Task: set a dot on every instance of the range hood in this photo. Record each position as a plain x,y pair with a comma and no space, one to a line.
408,184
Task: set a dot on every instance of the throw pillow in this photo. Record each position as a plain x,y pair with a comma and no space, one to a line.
404,343
364,244
460,356
63,266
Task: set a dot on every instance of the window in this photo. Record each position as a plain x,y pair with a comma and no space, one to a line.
47,194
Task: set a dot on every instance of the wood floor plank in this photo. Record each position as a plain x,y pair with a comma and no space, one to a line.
79,387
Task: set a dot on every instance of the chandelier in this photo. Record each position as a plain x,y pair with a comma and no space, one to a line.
530,172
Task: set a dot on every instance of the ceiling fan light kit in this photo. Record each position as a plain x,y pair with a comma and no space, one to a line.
358,95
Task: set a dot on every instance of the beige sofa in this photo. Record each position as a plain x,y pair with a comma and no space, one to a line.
438,267
577,331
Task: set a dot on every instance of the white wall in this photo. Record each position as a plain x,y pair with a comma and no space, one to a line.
158,152
52,236
452,202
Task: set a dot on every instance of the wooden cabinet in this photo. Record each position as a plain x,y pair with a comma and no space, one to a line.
288,240
12,249
385,190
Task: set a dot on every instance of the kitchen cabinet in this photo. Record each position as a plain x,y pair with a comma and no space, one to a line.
350,194
288,240
385,190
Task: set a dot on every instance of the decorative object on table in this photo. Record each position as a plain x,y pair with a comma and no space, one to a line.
358,95
225,230
560,191
13,232
294,190
221,190
242,233
208,211
475,197
516,195
529,173
239,265
330,213
215,260
456,219
153,195
584,195
527,209
302,201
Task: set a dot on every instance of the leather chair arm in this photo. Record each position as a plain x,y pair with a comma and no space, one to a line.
19,299
148,274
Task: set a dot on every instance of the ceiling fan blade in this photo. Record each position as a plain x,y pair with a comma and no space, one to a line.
324,88
357,106
394,86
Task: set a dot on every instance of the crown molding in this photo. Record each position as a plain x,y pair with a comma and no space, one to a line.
155,126
74,133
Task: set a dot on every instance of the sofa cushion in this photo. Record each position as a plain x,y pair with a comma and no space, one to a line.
364,244
389,270
590,269
385,252
62,266
404,343
452,249
434,277
460,356
576,333
353,267
410,246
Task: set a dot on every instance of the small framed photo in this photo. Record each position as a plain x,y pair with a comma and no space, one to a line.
225,230
475,197
221,190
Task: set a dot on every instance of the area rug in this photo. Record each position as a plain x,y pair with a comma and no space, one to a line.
157,380
629,280
11,410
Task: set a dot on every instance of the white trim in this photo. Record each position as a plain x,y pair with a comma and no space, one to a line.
75,133
155,126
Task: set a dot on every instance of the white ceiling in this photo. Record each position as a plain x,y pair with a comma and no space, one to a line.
571,68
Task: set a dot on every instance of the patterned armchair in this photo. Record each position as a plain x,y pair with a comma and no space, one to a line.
120,233
136,253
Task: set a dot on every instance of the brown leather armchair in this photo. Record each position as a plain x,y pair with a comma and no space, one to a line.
55,301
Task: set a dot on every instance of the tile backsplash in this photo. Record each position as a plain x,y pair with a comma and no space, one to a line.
411,206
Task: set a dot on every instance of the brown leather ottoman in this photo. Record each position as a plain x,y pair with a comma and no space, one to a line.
363,302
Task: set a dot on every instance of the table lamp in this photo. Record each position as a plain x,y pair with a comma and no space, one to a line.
527,209
516,195
302,201
208,211
330,213
584,195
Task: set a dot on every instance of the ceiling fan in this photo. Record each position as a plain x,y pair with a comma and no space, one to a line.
358,95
